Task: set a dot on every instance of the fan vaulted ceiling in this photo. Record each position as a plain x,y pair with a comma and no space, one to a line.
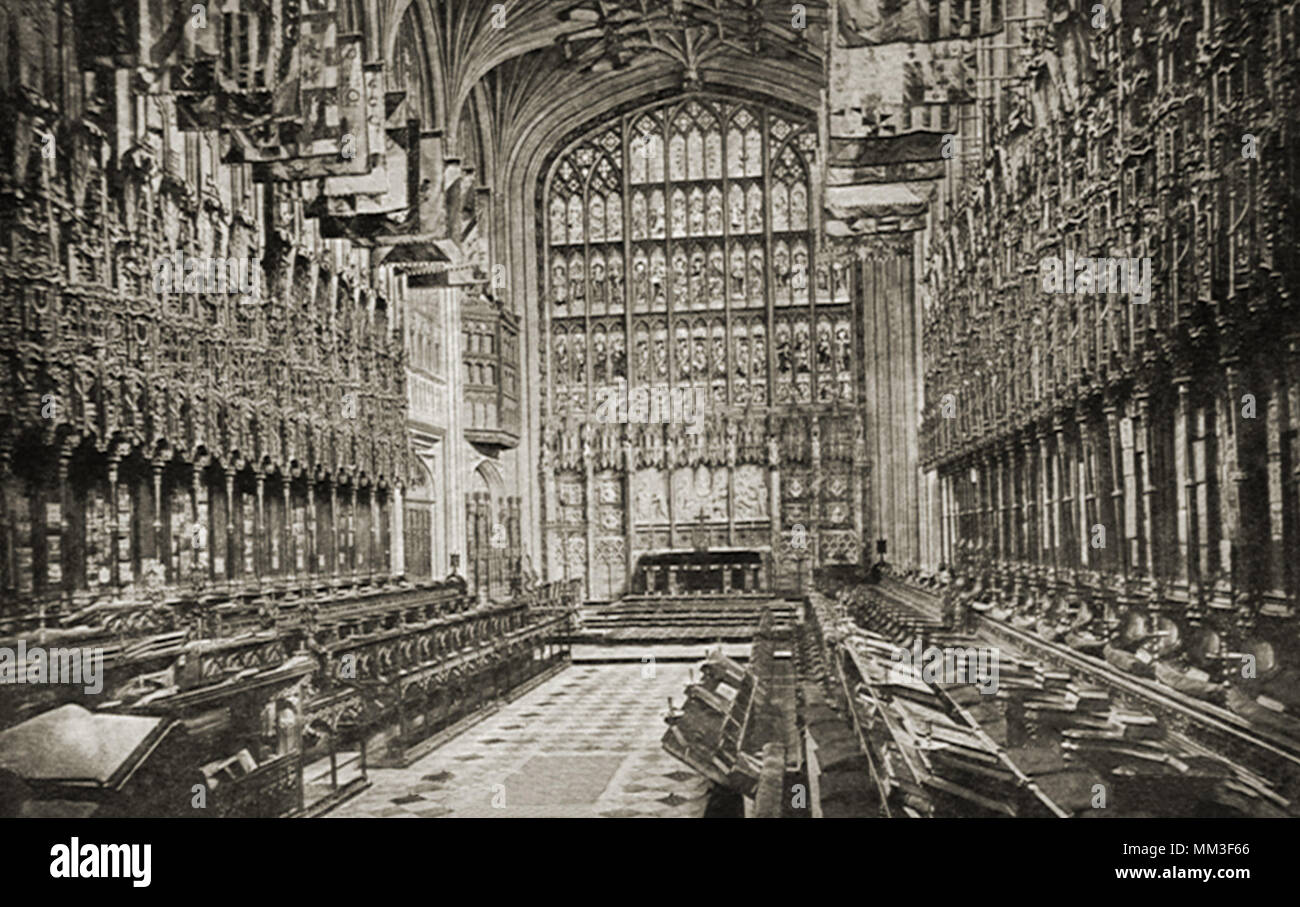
530,55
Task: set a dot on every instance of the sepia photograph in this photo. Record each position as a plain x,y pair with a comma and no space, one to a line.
575,409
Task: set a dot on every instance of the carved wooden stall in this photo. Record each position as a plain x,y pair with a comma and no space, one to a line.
1131,455
203,404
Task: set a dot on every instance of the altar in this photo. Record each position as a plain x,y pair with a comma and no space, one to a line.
695,572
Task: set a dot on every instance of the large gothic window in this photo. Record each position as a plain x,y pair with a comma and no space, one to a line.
678,249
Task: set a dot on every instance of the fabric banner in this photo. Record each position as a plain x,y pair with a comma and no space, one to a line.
895,103
881,92
218,59
332,137
379,142
867,22
410,161
304,91
383,191
171,33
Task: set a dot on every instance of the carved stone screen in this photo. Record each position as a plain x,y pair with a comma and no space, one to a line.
689,325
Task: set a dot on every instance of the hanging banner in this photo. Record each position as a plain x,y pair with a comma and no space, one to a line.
363,214
304,90
410,207
230,85
332,136
375,181
867,22
896,103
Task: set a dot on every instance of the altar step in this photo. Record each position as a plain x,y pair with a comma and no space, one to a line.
644,620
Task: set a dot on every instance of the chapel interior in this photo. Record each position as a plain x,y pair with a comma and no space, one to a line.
649,408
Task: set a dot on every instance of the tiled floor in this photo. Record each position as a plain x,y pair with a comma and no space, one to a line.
583,744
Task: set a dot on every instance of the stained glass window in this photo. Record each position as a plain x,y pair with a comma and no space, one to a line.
706,201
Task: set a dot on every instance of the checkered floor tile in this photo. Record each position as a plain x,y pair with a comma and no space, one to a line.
583,744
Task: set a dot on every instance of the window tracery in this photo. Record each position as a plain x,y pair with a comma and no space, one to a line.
706,200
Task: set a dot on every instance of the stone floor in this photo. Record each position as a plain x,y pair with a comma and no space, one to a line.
583,744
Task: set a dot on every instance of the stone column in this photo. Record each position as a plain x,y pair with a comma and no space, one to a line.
1276,428
352,534
1132,501
1029,500
1183,483
311,558
232,572
589,502
629,509
1047,509
815,492
1148,485
856,482
1116,543
289,542
114,537
199,533
774,492
398,531
162,550
262,547
376,534
334,531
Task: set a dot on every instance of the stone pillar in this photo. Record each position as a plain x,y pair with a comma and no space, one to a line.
1148,485
290,543
731,483
352,534
1088,507
1292,543
815,491
201,544
1063,498
1047,508
259,531
1132,501
1184,484
774,492
161,544
589,504
311,541
397,533
334,531
376,534
856,482
232,572
114,536
1276,428
1029,500
629,510
1116,554
550,513
998,492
